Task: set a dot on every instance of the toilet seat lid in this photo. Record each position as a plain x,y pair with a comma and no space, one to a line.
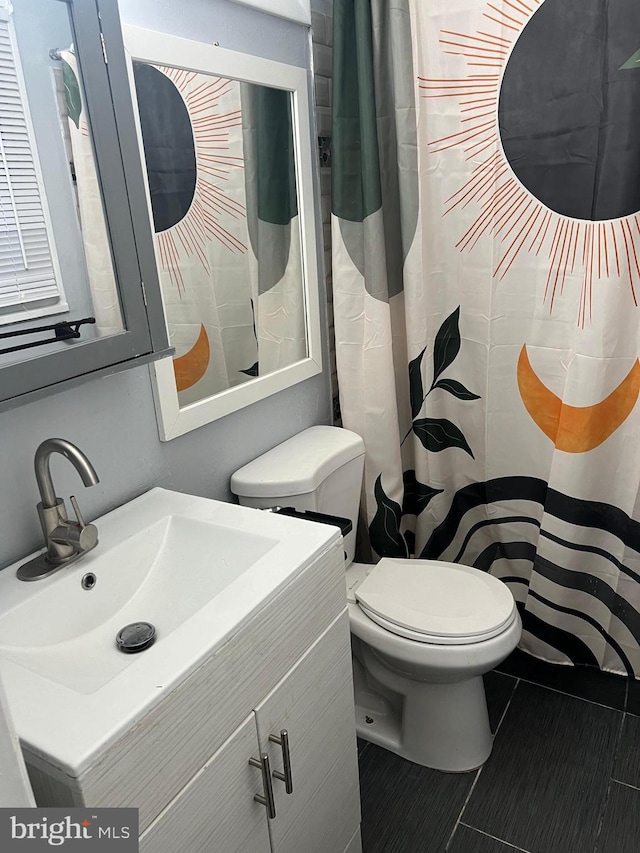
438,602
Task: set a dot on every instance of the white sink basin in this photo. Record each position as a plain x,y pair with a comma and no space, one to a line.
195,569
162,575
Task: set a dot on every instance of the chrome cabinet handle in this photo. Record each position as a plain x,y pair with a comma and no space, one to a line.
286,777
267,800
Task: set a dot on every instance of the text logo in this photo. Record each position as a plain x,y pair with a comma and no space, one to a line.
75,829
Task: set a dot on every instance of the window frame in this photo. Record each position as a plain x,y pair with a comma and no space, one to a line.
96,27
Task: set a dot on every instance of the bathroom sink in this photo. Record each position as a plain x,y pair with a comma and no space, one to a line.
162,574
194,568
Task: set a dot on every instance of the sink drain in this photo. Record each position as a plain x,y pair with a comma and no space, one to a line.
136,637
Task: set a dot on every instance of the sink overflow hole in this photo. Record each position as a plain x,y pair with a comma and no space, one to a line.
89,581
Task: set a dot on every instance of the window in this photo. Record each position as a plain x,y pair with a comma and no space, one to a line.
28,276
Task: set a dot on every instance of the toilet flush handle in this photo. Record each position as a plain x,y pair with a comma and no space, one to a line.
286,777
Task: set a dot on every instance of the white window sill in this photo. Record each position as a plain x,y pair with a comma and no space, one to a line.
15,314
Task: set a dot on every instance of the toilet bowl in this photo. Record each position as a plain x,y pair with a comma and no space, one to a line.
424,632
421,695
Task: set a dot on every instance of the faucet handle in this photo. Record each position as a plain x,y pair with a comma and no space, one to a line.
76,509
83,537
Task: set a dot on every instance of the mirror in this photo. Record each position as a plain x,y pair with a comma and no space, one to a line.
71,294
221,173
227,147
49,269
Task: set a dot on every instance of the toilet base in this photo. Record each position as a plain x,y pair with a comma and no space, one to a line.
442,726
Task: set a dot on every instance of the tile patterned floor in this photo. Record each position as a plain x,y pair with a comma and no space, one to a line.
564,775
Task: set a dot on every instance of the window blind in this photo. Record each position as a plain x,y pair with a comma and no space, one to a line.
27,272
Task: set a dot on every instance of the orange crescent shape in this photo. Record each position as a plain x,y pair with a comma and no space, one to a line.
576,429
192,366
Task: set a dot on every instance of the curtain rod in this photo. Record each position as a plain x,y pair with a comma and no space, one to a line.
64,331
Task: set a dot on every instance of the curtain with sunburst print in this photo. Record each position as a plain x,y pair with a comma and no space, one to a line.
486,276
221,175
191,125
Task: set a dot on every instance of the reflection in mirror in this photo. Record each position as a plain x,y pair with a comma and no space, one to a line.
222,183
226,138
55,257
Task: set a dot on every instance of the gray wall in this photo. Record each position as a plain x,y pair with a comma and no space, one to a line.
325,7
113,419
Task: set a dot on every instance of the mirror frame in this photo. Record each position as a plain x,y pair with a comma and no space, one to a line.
156,47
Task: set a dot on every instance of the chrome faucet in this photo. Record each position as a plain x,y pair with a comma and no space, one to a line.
65,540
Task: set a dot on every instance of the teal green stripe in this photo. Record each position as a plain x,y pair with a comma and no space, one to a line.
355,166
277,202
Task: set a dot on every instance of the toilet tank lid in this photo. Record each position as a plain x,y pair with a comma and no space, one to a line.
298,465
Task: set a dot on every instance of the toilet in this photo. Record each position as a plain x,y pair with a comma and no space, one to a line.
424,632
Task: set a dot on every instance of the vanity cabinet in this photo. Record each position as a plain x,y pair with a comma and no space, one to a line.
314,704
185,764
217,810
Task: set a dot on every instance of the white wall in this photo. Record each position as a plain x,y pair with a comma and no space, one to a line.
113,419
232,26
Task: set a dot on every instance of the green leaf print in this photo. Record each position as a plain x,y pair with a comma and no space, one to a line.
72,93
438,434
447,344
384,530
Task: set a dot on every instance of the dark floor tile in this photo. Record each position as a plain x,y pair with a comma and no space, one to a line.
498,689
407,808
633,698
544,787
582,681
467,840
621,825
362,745
627,766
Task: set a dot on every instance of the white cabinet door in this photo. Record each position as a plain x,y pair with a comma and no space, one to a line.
216,812
314,703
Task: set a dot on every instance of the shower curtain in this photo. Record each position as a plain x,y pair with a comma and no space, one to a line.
273,226
221,171
191,126
102,283
486,272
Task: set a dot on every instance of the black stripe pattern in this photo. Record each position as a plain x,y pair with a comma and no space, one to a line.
570,563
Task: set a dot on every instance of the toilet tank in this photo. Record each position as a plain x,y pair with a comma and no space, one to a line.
318,469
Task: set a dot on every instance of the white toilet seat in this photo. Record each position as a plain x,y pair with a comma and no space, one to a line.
429,601
436,639
444,663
